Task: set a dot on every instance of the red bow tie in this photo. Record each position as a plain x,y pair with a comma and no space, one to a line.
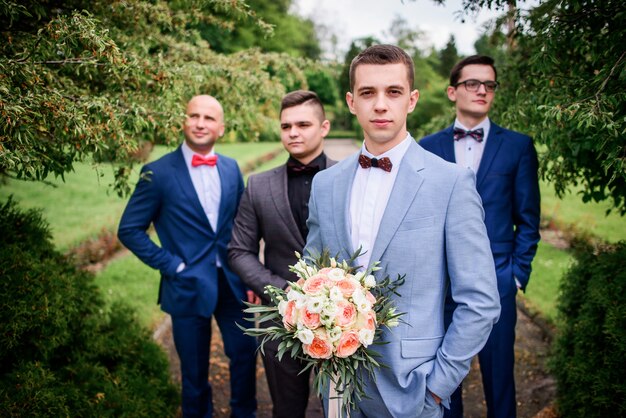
197,160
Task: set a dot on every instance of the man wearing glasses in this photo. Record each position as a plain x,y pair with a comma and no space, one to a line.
505,164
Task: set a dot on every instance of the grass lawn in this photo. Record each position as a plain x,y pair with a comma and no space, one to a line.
586,216
551,263
129,280
549,266
84,205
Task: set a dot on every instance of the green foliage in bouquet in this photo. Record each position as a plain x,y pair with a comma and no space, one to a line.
589,352
60,354
328,319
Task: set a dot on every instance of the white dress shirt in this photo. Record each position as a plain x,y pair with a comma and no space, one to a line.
467,151
368,199
206,182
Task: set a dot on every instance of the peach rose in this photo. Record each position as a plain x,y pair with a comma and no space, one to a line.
370,298
315,284
320,347
348,343
290,316
347,286
300,282
366,321
346,314
325,270
309,319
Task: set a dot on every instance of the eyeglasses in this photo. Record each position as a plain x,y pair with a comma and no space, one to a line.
473,85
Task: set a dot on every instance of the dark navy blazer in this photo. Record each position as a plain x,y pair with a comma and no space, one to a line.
508,186
165,196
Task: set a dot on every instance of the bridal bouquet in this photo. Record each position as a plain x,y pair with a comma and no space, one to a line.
329,318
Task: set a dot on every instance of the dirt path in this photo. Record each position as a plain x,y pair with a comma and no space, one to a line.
535,387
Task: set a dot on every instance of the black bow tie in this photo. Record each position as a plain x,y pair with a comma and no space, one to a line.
477,134
296,169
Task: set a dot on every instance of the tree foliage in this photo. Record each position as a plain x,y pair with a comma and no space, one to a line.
448,56
564,82
93,79
291,34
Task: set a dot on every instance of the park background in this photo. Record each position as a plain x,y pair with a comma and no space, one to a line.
91,90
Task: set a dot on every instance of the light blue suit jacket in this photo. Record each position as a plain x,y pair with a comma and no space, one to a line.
432,229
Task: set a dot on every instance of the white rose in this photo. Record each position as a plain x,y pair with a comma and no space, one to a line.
370,281
305,335
335,294
362,304
334,334
336,274
281,307
366,337
315,304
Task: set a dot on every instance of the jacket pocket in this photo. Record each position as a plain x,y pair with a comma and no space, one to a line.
420,347
417,223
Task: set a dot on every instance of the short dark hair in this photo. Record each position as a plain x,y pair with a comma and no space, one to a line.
455,73
300,97
381,55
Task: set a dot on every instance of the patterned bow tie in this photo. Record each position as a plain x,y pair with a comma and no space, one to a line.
197,160
295,169
477,134
382,163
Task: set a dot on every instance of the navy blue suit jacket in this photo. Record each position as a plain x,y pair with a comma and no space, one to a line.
508,185
165,196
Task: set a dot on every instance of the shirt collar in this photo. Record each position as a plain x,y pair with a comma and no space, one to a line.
395,154
188,153
319,161
485,124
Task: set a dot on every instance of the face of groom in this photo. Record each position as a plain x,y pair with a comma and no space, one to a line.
381,99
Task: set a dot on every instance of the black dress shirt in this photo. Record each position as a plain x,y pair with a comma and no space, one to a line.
299,178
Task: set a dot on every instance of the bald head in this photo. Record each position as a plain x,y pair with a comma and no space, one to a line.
204,123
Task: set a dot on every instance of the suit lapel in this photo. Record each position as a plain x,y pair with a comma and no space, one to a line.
186,185
227,187
491,149
280,197
342,186
447,144
407,184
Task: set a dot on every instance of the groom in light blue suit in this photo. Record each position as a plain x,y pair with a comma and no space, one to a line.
420,216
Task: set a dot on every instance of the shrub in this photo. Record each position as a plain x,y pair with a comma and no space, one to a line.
60,355
588,357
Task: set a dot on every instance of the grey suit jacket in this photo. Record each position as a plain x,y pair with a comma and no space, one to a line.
432,230
265,213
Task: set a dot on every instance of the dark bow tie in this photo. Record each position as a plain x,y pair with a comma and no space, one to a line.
197,160
477,134
295,169
382,163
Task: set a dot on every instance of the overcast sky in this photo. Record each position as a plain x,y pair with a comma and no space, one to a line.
351,19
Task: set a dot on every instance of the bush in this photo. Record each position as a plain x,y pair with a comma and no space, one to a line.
60,355
588,357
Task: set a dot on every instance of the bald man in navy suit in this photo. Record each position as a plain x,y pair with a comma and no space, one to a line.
191,196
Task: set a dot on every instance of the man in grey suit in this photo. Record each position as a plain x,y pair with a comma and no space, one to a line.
420,216
274,208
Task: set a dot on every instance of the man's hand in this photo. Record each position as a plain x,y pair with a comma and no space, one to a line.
253,298
435,397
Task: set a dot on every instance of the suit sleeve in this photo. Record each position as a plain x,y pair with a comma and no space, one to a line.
243,250
473,286
526,214
141,210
